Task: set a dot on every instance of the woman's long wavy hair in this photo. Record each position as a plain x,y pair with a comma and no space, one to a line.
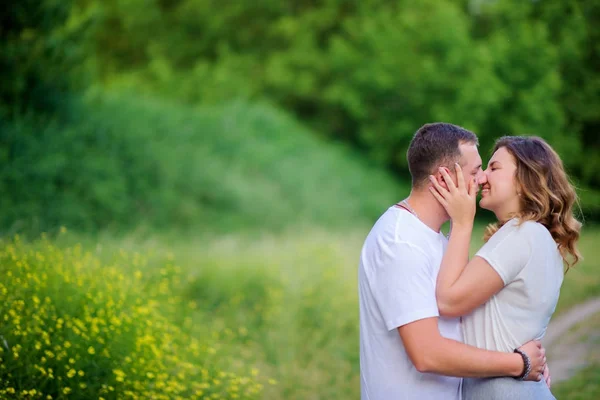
546,195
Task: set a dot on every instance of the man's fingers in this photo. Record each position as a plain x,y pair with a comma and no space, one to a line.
547,376
537,355
540,372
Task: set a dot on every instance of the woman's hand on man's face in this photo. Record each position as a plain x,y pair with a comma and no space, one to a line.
458,199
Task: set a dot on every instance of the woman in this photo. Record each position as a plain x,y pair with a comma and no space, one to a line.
509,290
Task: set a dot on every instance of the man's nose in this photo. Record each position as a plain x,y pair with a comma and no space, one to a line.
481,178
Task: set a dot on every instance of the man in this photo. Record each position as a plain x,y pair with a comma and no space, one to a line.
407,351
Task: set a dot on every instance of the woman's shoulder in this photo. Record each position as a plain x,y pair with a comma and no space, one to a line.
530,227
517,226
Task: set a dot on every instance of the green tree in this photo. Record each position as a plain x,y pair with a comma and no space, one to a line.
39,53
576,31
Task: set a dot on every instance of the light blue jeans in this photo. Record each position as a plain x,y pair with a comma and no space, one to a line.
504,389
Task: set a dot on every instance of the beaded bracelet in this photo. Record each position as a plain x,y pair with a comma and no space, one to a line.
526,367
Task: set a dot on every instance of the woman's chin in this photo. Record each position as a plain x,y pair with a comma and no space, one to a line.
483,203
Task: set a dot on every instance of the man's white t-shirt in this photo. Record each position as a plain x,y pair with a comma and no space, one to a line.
527,259
397,275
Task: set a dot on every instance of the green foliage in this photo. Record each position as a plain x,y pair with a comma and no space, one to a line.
364,73
427,69
585,385
121,161
371,73
76,327
40,54
576,36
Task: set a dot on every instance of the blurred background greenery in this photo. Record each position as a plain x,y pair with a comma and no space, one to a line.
184,112
256,142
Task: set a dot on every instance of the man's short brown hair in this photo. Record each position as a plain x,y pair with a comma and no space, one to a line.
434,145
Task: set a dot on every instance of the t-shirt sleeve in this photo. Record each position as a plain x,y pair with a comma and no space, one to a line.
507,251
404,287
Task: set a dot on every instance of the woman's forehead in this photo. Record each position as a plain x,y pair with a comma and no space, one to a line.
502,155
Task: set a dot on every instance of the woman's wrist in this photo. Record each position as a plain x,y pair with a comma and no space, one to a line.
462,227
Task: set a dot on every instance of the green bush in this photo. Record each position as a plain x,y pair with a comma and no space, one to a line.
371,73
367,74
125,161
41,55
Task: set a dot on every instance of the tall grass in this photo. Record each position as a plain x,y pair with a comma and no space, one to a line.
237,317
75,326
273,316
294,298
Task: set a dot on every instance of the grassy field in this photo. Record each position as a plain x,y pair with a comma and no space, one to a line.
585,384
239,316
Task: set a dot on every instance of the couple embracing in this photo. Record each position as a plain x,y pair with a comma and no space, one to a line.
435,325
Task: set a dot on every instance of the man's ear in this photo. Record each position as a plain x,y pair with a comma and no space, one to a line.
440,178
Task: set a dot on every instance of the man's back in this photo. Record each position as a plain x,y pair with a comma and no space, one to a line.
398,268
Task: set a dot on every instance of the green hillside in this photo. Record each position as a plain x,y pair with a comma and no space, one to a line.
122,161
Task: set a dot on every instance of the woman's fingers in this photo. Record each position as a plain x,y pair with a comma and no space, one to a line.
438,196
441,190
448,180
438,191
460,178
472,187
460,186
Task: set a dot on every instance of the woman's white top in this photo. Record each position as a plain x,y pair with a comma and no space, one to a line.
528,261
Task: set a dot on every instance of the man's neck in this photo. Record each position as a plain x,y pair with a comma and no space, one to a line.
427,208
